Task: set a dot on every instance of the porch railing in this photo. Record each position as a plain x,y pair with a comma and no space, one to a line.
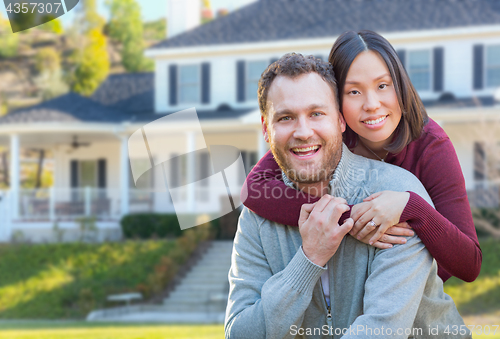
71,203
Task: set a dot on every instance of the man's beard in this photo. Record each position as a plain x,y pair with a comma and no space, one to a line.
321,172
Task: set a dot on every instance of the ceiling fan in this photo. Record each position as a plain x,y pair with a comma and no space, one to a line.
76,144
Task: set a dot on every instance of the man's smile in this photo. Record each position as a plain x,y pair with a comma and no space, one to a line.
305,151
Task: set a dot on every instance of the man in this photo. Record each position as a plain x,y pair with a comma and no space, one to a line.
277,271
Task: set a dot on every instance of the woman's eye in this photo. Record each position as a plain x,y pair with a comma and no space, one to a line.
354,92
382,86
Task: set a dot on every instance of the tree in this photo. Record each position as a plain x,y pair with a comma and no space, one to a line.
91,60
9,41
125,26
50,75
93,66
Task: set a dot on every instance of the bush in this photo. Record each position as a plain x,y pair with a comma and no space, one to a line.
148,225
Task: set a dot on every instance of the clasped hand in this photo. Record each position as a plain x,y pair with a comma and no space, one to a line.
318,225
385,209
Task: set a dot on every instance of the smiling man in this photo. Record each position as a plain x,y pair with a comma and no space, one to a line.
314,281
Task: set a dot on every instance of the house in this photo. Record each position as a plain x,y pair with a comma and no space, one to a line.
450,48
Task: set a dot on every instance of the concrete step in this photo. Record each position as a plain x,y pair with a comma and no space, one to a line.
204,288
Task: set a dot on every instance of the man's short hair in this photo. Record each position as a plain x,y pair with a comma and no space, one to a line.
292,65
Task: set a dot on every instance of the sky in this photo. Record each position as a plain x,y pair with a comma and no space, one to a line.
151,9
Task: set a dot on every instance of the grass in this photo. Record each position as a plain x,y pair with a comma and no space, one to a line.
67,280
84,330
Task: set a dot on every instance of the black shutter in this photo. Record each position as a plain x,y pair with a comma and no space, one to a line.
172,83
438,69
479,162
240,81
402,56
74,173
74,179
478,67
274,60
101,173
205,83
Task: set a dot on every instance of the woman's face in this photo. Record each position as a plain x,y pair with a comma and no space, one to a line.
370,104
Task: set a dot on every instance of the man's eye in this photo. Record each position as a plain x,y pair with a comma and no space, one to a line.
317,114
284,119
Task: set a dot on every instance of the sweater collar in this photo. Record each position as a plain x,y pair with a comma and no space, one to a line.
343,179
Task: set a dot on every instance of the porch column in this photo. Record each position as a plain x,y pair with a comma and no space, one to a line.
124,175
191,170
262,144
14,174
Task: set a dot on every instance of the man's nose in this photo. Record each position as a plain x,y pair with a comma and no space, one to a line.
372,101
303,130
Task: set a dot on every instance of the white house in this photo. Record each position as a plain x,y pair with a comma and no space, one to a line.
451,49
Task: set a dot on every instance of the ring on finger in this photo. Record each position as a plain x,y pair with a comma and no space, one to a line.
371,223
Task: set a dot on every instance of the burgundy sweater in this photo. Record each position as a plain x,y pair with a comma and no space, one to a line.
448,231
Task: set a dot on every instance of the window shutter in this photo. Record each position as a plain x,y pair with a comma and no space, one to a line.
172,83
479,162
205,83
478,67
438,69
101,173
74,173
402,56
74,179
240,81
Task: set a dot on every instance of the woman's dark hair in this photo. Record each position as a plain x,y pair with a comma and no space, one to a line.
413,115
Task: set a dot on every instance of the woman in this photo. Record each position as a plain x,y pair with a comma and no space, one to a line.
388,122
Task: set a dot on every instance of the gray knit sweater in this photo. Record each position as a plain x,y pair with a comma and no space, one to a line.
275,291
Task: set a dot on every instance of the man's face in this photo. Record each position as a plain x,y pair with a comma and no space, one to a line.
304,127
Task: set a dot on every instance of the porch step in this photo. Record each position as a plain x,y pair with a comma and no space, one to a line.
205,288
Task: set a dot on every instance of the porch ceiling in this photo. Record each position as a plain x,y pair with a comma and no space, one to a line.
49,139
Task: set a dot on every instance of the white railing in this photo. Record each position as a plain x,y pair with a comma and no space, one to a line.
485,194
71,203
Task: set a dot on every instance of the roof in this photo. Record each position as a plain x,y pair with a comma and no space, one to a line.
127,92
271,20
69,107
72,107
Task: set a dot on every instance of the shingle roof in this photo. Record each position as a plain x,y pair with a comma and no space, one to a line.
70,107
270,20
130,92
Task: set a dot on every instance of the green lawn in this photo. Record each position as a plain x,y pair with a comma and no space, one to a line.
84,330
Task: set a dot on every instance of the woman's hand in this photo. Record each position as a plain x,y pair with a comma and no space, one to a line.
392,236
384,209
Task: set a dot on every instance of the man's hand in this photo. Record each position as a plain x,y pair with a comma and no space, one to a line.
319,228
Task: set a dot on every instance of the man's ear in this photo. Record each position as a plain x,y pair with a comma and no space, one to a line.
342,122
264,128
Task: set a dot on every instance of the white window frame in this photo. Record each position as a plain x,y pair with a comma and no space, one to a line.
248,80
179,85
485,66
431,68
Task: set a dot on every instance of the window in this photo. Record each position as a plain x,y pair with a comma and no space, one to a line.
254,71
189,84
419,69
493,66
88,173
